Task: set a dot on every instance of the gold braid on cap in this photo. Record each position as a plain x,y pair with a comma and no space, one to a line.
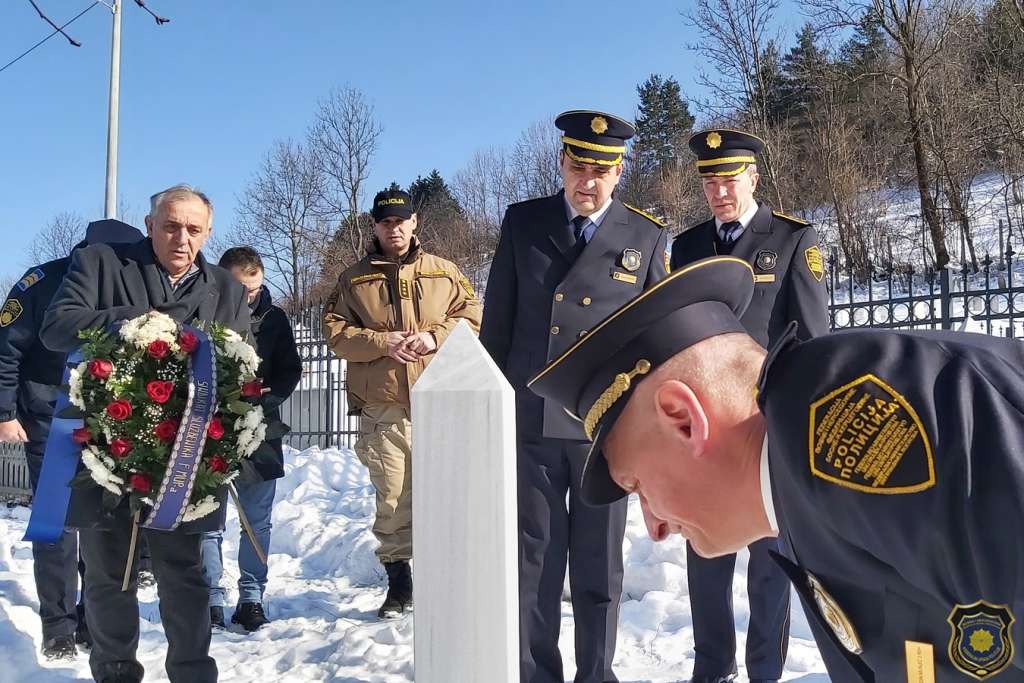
613,393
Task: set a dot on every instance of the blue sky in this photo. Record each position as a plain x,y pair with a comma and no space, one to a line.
204,97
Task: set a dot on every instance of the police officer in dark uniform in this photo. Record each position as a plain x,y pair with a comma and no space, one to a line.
562,264
889,464
789,274
165,272
30,377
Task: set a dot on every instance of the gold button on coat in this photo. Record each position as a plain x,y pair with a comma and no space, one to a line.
554,330
559,296
586,301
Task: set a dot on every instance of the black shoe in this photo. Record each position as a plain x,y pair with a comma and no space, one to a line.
146,578
250,615
60,647
399,597
82,636
217,617
728,678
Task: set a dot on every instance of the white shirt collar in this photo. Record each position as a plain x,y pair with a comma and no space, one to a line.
766,487
745,219
595,217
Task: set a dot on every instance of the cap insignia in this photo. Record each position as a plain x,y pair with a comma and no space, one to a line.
714,140
599,124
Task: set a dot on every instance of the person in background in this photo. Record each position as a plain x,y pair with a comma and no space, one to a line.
279,372
387,317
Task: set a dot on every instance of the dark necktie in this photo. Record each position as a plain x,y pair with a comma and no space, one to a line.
730,232
578,229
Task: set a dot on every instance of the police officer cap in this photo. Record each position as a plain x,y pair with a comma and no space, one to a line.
724,152
594,379
110,231
593,137
391,203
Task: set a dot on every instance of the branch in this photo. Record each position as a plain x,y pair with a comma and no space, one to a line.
56,28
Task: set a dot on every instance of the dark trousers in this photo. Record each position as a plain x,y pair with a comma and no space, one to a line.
714,630
549,532
114,614
55,566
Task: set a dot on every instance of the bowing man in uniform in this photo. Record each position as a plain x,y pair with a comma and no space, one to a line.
789,285
890,465
562,264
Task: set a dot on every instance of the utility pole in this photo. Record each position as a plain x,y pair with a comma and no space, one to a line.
112,113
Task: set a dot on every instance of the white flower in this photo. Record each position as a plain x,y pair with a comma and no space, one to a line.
145,329
75,385
100,468
200,509
252,430
243,353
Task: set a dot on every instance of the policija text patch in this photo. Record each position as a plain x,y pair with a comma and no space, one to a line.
867,437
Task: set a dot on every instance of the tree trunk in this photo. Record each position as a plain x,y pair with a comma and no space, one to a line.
916,119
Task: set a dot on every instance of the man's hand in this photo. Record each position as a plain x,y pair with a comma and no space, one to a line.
11,432
398,347
422,343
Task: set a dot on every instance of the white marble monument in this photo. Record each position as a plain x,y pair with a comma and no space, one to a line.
466,621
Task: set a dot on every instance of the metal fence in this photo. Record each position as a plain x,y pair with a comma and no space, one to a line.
317,411
14,478
989,300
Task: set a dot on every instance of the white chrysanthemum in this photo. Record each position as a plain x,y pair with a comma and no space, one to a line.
200,509
100,468
231,336
252,430
243,353
146,329
75,385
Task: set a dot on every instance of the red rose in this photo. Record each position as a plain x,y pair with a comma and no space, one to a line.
100,369
216,429
158,349
218,464
119,410
159,390
140,482
253,389
119,448
188,342
81,435
166,430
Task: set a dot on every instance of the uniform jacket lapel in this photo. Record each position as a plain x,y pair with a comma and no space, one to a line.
760,227
555,223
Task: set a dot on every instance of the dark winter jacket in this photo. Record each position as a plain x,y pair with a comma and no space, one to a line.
280,370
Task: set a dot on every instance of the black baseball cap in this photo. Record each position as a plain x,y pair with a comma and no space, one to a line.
392,203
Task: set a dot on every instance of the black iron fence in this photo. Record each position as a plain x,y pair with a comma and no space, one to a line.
989,299
317,411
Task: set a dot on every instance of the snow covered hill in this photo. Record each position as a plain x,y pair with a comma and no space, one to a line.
325,586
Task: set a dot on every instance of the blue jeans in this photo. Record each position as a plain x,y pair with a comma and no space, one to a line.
256,501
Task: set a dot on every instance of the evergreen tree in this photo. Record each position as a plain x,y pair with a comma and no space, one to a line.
433,191
663,122
803,68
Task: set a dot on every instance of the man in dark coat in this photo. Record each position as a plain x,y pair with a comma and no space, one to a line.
280,370
562,264
168,273
890,465
30,377
789,286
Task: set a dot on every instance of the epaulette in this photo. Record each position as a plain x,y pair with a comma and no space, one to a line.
654,219
31,277
792,219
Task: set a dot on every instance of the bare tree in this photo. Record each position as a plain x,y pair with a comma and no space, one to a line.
919,31
57,238
7,282
533,162
343,141
735,36
277,215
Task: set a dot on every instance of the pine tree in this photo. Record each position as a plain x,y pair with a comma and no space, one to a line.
663,122
802,69
433,191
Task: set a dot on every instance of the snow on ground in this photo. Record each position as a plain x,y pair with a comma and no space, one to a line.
325,586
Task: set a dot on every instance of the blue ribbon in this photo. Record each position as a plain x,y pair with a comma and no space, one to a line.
183,465
60,462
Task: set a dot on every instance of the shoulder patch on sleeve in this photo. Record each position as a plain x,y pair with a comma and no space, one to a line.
791,219
654,219
815,262
32,277
10,312
867,437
